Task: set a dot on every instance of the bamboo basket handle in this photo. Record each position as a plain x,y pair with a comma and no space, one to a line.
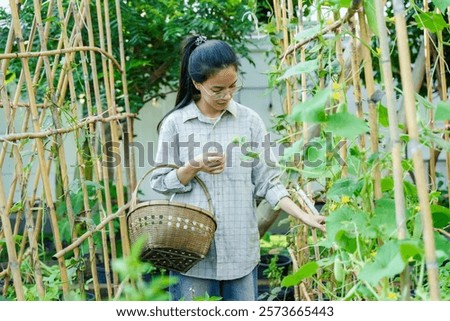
199,181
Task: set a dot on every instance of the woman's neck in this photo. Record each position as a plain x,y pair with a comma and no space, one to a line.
208,111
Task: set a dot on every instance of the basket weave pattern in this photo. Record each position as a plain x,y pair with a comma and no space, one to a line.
177,235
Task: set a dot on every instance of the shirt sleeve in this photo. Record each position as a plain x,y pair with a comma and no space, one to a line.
165,180
266,172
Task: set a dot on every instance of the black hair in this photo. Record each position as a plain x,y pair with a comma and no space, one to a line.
201,59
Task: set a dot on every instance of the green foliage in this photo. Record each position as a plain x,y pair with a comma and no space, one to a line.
306,271
442,111
346,125
369,9
274,272
153,33
312,110
273,243
131,269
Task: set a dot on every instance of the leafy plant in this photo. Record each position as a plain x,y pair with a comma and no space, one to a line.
274,272
133,287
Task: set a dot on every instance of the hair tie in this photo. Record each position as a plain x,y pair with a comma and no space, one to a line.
199,40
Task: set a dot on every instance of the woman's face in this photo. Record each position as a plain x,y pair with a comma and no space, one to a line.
217,91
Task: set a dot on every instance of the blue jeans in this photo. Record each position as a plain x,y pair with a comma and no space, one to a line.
187,288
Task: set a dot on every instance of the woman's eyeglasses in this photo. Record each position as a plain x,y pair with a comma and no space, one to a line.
221,94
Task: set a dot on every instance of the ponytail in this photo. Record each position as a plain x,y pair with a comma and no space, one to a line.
186,89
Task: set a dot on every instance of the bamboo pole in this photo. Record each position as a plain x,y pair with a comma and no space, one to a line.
130,165
306,135
393,125
356,76
421,183
115,129
21,55
89,233
58,131
370,90
10,246
429,86
343,151
34,251
394,133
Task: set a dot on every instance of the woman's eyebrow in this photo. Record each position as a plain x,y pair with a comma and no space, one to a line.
219,87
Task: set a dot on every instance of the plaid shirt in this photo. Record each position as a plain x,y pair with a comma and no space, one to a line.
187,133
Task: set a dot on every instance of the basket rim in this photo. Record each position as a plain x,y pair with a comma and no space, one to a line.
174,204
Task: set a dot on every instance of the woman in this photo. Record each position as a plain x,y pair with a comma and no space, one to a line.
208,134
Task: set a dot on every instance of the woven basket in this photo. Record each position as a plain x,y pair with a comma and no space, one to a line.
177,235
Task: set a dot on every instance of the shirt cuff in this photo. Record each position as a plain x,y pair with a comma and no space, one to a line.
275,194
172,182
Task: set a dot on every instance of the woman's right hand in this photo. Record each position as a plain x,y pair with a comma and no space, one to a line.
209,162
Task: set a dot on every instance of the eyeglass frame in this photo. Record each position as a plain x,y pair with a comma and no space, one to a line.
221,94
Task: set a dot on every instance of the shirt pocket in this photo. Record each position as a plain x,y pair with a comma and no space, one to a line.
238,168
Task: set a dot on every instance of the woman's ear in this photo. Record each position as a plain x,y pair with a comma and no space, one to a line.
195,84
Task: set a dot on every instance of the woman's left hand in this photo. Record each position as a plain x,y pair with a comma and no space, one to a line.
316,221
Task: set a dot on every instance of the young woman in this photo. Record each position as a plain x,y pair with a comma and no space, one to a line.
201,135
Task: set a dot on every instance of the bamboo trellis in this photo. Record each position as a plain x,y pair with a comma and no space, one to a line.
354,23
60,115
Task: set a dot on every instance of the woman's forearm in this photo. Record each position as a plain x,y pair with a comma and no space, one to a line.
186,173
287,205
